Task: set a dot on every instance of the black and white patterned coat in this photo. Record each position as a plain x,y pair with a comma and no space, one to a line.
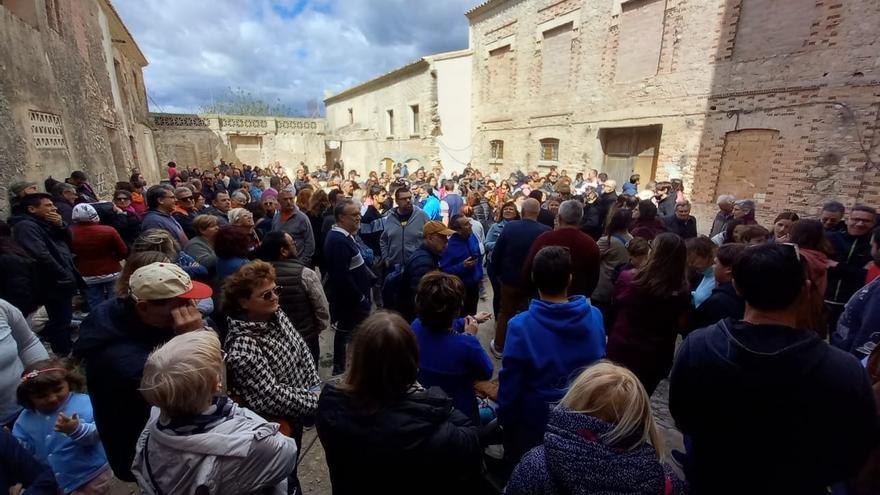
270,368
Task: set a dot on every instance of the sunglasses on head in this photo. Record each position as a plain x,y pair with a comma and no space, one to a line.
274,291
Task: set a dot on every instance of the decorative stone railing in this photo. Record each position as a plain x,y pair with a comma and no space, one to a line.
242,123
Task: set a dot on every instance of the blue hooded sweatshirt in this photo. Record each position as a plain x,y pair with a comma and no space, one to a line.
546,347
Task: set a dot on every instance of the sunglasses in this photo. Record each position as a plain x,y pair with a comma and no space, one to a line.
122,199
274,291
188,198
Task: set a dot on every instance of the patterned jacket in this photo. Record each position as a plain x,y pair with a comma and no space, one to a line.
270,368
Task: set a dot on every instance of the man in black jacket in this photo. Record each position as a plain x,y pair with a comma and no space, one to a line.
42,232
115,340
767,407
426,258
852,254
348,279
682,223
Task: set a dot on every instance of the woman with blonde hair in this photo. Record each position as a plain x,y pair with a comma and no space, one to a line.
601,438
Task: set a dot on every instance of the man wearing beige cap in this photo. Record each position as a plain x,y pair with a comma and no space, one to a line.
115,340
426,258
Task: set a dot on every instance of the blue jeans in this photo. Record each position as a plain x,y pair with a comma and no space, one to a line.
98,293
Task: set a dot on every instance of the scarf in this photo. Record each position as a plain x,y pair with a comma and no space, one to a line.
220,410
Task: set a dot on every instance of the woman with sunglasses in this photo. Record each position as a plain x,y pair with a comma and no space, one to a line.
126,221
270,369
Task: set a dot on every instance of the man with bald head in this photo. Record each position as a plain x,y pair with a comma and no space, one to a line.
508,257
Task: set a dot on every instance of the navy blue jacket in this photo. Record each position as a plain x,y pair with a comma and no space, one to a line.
852,254
456,252
114,344
348,279
858,329
724,302
513,248
49,245
770,409
18,466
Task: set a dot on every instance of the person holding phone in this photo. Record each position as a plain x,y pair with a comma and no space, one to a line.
463,259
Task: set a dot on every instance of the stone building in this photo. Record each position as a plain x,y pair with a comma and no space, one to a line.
766,99
419,114
71,94
202,140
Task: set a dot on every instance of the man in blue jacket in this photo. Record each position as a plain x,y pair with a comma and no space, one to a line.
768,407
426,258
463,259
508,258
546,347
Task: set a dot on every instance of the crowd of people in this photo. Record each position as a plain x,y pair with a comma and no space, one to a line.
169,335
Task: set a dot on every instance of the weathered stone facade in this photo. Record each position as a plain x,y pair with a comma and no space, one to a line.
772,100
202,140
418,114
71,94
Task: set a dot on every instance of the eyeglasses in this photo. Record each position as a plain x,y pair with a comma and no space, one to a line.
121,199
187,198
268,295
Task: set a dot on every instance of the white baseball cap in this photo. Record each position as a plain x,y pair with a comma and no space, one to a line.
164,281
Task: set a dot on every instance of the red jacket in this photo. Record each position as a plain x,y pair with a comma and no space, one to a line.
98,249
584,258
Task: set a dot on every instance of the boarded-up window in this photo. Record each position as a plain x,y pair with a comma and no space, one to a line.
496,149
500,73
26,10
641,37
550,150
771,27
746,162
556,59
247,149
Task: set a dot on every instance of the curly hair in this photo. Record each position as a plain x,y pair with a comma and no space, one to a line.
38,380
241,284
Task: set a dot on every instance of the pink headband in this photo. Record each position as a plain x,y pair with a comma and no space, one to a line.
35,373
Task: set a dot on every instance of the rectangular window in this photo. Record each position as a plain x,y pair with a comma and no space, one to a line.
641,37
556,59
390,126
496,149
416,128
350,116
550,150
500,73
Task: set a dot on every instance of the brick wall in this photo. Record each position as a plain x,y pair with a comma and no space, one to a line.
701,69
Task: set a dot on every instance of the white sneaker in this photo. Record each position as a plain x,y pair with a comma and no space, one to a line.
495,352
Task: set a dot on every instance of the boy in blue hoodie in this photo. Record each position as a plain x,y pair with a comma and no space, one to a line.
546,347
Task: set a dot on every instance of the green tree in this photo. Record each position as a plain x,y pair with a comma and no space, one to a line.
237,101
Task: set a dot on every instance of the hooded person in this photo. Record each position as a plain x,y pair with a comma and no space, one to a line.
556,336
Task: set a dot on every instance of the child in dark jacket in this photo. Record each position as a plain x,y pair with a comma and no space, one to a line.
601,438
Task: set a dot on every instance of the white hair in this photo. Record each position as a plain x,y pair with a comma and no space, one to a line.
726,198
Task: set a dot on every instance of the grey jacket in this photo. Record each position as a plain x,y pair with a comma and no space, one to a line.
244,454
300,228
399,242
199,248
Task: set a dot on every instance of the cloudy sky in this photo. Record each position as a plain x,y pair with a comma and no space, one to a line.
290,50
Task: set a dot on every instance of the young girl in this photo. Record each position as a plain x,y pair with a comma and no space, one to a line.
601,438
58,427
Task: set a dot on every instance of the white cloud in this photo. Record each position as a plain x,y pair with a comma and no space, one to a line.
292,50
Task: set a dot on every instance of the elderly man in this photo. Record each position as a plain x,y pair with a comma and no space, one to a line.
115,340
349,281
185,210
725,214
296,223
64,197
584,250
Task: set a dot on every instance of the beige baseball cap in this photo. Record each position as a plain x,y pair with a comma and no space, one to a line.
435,227
165,281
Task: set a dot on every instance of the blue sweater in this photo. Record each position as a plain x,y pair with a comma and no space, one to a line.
76,458
432,207
458,250
546,347
452,361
